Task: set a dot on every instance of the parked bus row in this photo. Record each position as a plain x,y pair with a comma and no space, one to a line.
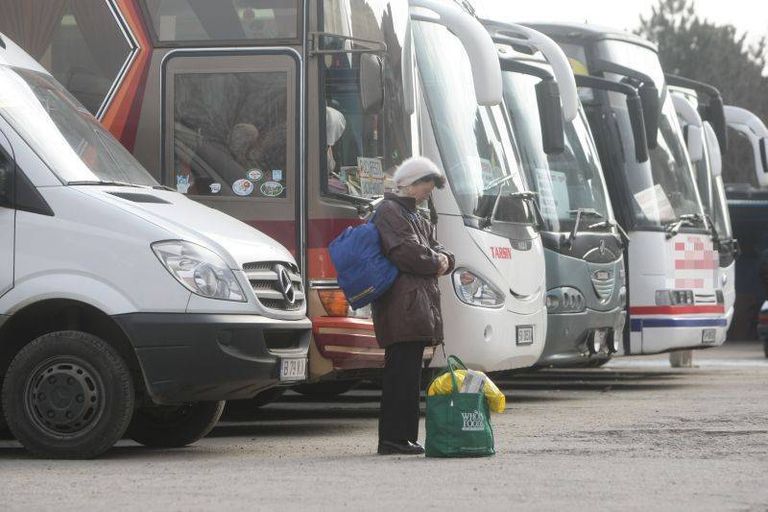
585,205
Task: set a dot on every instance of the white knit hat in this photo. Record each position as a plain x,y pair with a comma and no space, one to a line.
414,169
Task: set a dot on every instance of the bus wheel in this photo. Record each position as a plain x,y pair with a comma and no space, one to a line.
163,426
765,347
68,395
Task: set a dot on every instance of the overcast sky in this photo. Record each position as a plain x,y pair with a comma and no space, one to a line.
749,16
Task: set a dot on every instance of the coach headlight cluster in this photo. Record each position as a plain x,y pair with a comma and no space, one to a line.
565,300
476,291
674,297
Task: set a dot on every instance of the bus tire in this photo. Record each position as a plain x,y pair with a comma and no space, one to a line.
174,426
68,395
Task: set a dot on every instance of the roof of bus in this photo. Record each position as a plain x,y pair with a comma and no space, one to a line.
11,54
581,33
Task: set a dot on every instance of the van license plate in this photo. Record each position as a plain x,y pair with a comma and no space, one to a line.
709,336
293,369
524,335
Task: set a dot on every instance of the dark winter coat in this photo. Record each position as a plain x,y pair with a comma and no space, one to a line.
410,309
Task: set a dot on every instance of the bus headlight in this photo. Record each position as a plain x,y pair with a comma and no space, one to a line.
674,297
565,300
475,291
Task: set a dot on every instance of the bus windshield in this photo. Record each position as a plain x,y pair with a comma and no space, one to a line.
361,149
666,191
63,133
473,149
567,181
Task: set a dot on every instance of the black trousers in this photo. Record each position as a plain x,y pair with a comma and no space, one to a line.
401,386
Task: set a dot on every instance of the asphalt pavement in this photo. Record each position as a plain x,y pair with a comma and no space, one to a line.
634,435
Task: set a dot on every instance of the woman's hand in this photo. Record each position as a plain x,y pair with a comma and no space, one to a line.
444,264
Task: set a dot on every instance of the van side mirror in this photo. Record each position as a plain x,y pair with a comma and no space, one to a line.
371,83
551,116
764,155
694,140
649,96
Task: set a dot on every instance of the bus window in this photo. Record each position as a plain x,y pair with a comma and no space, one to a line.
78,41
230,135
228,20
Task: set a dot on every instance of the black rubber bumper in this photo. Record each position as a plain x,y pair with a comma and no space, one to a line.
196,357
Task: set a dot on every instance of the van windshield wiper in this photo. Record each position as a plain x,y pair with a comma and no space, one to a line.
107,182
673,227
581,212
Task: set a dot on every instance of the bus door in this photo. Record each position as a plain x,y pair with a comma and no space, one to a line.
231,131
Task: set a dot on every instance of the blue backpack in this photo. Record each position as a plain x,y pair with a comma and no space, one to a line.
363,272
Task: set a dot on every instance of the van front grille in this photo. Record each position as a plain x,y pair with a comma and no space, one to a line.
268,280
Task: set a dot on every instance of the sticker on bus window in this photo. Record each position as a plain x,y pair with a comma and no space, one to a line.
371,187
183,183
243,187
370,167
277,175
255,174
272,189
215,188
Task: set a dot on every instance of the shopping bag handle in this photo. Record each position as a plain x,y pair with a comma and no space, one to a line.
454,363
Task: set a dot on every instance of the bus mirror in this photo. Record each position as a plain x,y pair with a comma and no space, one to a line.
551,115
649,96
371,83
763,160
715,114
694,139
637,120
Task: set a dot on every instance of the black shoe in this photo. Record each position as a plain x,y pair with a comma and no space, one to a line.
400,448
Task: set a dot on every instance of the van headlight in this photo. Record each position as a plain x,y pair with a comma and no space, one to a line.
565,300
475,291
199,270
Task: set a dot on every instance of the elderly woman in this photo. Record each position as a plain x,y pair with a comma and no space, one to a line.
407,317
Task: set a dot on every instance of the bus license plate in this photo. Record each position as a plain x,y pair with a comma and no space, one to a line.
293,369
524,335
709,336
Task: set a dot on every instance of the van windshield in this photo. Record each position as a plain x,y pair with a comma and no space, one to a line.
63,133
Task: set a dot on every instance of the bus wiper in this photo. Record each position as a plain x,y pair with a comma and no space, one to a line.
713,231
689,219
526,195
498,181
611,224
581,212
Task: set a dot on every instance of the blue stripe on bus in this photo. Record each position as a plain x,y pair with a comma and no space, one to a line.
637,324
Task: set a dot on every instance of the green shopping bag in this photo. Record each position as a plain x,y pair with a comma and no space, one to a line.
458,424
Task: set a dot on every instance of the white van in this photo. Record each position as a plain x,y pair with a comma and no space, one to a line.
124,306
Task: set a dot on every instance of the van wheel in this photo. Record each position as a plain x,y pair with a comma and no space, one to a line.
68,395
163,426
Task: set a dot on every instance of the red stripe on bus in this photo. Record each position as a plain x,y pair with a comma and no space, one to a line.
676,310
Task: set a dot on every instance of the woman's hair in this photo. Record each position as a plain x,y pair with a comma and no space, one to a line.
439,181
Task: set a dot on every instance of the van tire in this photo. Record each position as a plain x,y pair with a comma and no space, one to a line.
164,426
68,395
